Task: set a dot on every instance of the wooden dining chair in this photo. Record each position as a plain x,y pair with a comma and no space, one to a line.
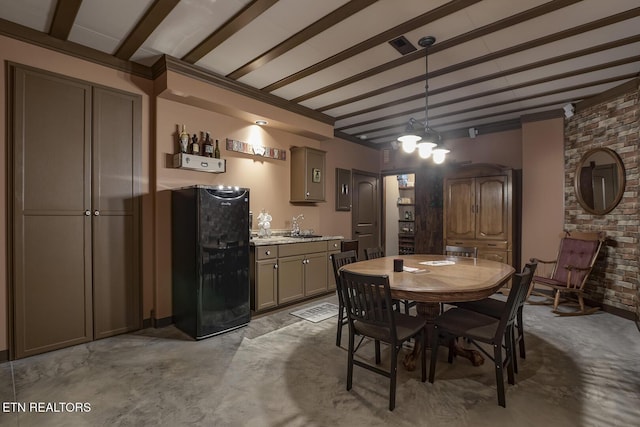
373,253
479,328
369,310
494,307
338,260
464,251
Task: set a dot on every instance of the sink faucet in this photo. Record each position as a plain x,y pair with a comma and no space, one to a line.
295,227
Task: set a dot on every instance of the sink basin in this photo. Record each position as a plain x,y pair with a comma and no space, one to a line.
306,236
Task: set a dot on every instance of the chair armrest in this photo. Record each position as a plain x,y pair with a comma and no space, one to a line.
540,261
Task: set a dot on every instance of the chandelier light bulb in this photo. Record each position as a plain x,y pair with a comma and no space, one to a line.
425,149
439,155
409,144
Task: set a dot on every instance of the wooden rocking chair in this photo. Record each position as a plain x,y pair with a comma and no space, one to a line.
576,256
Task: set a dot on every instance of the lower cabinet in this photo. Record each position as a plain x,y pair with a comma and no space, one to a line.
264,273
285,273
493,251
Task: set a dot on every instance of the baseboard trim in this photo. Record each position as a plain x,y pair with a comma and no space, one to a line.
147,323
4,356
161,323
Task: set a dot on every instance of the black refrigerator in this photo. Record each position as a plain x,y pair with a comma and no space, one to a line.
210,259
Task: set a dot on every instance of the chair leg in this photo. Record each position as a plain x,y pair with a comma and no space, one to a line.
434,354
423,343
340,323
497,354
452,349
510,355
393,375
377,346
512,338
520,327
556,300
350,360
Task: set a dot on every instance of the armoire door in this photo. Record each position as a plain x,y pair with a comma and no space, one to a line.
460,199
492,208
51,230
75,156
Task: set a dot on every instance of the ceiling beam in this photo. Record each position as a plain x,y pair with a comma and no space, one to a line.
609,20
143,29
398,30
232,26
326,22
63,18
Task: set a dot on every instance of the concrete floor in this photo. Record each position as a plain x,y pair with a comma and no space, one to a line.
284,371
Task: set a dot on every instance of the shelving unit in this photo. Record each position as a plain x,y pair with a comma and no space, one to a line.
406,214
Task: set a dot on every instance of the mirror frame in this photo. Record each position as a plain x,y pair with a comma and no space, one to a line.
620,173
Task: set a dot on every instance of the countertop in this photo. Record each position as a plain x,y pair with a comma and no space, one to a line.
283,240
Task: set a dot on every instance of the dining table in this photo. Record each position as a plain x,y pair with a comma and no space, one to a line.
431,280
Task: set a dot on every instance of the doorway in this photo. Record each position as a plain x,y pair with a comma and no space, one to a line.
365,214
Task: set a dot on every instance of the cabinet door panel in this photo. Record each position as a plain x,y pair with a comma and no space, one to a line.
266,284
290,279
492,208
460,200
315,274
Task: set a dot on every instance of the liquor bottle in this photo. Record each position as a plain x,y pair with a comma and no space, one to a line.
216,152
195,147
184,140
207,146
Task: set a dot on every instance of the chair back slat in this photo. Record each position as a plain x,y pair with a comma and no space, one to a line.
368,300
342,258
373,253
518,292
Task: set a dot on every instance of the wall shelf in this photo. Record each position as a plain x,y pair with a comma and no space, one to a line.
199,163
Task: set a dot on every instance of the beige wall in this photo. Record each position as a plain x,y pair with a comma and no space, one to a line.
542,188
267,179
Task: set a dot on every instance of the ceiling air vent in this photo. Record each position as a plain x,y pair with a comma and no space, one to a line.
402,45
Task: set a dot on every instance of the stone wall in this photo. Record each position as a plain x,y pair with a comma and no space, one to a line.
612,124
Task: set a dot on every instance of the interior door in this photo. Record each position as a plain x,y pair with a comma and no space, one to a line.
492,208
460,207
51,231
365,215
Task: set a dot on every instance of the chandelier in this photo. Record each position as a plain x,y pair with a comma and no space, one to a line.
425,140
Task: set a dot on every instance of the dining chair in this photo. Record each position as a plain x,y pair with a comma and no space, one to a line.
464,251
369,310
479,328
494,307
338,260
373,253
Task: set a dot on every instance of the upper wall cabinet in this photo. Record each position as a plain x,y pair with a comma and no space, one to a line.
307,175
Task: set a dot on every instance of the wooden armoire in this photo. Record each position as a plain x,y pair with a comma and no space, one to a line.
482,209
75,157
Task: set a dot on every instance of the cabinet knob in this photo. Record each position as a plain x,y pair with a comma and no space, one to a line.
267,252
335,245
87,212
275,266
96,213
308,194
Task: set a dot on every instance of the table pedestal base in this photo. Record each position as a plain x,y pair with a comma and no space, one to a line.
431,310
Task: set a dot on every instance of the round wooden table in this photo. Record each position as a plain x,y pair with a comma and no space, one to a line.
438,279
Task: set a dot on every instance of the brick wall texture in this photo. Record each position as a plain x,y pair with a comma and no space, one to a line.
612,124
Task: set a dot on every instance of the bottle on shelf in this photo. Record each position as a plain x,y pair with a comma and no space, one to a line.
207,146
216,151
184,140
195,146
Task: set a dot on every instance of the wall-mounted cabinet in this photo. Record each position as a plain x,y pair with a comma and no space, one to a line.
307,175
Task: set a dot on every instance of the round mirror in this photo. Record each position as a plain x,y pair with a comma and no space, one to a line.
600,181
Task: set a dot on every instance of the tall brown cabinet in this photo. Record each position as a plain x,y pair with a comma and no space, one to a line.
481,209
75,160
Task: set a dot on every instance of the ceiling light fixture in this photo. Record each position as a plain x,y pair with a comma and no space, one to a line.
426,141
261,122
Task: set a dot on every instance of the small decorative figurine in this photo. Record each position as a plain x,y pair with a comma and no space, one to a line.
264,224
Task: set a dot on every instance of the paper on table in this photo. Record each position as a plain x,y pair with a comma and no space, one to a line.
437,263
413,270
